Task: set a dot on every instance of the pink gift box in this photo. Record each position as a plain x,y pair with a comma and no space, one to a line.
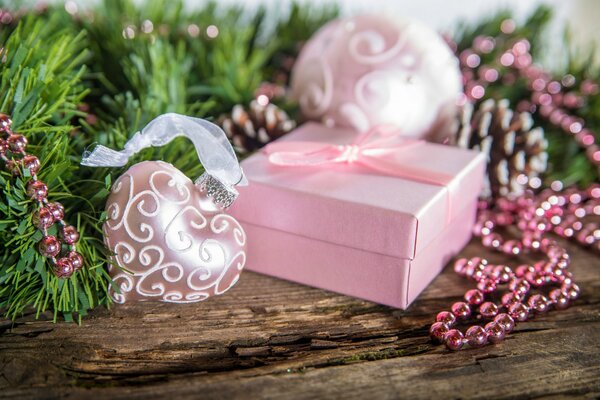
355,231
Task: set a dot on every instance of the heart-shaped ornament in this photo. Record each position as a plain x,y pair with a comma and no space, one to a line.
170,240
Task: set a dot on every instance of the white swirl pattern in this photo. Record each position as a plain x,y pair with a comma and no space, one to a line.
376,43
316,98
170,241
369,70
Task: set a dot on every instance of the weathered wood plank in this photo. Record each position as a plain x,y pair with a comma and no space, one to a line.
271,338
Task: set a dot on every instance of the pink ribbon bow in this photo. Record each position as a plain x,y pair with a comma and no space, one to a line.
369,150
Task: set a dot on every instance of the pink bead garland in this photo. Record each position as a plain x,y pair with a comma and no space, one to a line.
12,152
554,100
550,211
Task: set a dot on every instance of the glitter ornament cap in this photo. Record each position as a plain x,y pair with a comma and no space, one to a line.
373,70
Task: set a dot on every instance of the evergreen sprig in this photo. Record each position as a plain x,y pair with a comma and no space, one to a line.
41,85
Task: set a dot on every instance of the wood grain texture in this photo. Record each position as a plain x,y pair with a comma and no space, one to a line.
268,338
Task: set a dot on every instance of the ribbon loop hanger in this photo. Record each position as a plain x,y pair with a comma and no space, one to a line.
214,150
223,171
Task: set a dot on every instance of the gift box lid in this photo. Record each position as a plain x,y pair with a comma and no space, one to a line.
350,205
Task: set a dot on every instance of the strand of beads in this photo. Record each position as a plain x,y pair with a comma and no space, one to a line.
16,160
555,100
532,288
570,213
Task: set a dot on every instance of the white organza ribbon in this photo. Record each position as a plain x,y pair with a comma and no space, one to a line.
213,148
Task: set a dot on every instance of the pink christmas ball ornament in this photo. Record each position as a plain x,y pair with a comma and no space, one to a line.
370,70
170,240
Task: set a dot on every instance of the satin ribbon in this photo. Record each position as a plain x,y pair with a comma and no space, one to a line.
371,150
211,144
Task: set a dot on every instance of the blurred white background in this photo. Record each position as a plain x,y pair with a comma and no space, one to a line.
441,14
580,16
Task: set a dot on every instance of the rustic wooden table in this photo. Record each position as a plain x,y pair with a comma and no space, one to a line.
269,338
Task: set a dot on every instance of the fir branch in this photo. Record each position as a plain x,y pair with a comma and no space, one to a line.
41,85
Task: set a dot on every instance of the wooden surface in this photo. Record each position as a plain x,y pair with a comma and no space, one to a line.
269,338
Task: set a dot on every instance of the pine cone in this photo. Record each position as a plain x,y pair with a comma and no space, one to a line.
251,129
516,150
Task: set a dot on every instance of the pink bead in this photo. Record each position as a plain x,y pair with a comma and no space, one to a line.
474,297
446,317
510,298
522,270
506,322
538,267
58,211
502,273
76,260
563,262
495,333
483,204
32,163
460,266
488,309
518,311
565,257
519,286
504,219
535,278
512,247
567,279
479,272
5,123
461,310
538,303
43,218
572,291
454,339
505,204
12,167
63,268
476,336
488,271
531,242
551,248
17,143
560,299
554,252
37,190
585,237
49,246
478,228
492,240
437,331
476,261
475,267
489,224
546,267
70,234
486,285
